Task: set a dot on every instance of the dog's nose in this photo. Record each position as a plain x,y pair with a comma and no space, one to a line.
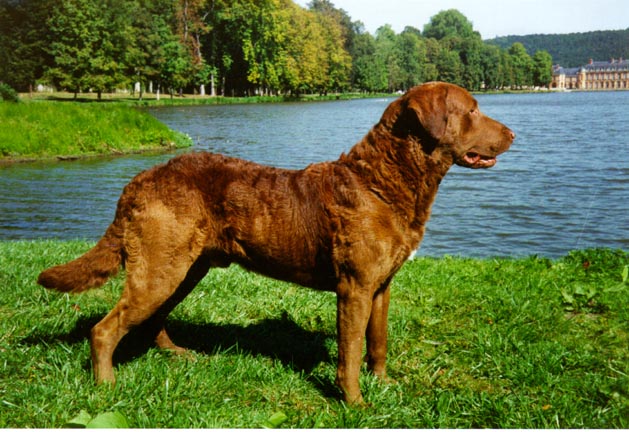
511,134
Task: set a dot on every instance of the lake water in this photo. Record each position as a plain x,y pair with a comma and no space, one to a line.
563,185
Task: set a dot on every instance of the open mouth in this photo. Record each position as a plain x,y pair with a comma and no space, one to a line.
477,160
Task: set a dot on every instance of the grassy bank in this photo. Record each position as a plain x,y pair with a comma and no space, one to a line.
150,99
47,129
500,343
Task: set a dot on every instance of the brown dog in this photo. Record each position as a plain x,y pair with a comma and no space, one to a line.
345,226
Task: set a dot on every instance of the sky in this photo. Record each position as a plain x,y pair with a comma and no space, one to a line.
493,18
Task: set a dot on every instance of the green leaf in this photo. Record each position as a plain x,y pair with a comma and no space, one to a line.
79,421
275,420
625,273
579,290
567,297
108,420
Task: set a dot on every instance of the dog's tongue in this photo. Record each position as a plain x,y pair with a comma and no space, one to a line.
477,161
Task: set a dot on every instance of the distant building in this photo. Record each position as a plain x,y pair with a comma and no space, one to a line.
596,75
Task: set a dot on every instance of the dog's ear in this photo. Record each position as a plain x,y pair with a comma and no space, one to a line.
420,113
430,109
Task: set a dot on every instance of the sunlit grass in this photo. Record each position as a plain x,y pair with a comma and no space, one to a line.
49,129
473,344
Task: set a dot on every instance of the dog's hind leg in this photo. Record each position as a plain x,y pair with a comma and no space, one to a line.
197,272
160,273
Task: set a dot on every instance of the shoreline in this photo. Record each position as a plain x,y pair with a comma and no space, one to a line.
8,161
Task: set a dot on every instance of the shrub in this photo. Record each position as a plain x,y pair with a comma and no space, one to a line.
7,93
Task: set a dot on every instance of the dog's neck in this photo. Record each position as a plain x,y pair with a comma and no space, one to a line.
399,172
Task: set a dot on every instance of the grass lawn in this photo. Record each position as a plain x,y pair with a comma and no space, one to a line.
492,343
43,129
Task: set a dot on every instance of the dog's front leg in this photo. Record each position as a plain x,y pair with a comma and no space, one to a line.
352,315
377,332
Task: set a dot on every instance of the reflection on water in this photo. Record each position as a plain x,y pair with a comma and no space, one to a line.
563,185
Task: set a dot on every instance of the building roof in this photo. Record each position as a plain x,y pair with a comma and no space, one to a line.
612,65
558,70
594,66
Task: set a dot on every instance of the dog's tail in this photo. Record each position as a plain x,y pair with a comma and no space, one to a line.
90,270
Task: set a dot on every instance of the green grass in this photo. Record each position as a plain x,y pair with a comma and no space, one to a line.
43,129
150,99
497,343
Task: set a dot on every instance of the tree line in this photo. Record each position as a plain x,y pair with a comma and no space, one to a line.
244,47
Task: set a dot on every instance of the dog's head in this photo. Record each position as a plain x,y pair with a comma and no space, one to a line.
445,117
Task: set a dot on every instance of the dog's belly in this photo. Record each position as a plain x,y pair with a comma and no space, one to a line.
283,254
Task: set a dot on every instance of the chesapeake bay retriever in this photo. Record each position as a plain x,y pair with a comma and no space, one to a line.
345,226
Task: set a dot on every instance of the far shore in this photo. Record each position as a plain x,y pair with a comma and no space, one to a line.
153,99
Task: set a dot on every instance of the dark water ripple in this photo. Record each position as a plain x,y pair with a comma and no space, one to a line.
563,185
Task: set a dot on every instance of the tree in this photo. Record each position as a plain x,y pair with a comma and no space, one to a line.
24,41
522,66
388,57
449,66
336,30
542,68
149,35
448,24
190,15
306,45
506,66
492,68
368,74
261,43
89,42
340,16
456,35
471,52
175,72
412,53
432,52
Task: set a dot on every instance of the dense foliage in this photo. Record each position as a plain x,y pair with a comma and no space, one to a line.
243,47
574,49
8,94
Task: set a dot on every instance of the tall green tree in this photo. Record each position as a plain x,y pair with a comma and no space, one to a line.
149,36
470,52
389,56
456,36
449,66
336,30
175,72
24,41
492,68
261,44
522,66
431,73
89,45
191,27
542,68
412,51
448,24
506,64
368,74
